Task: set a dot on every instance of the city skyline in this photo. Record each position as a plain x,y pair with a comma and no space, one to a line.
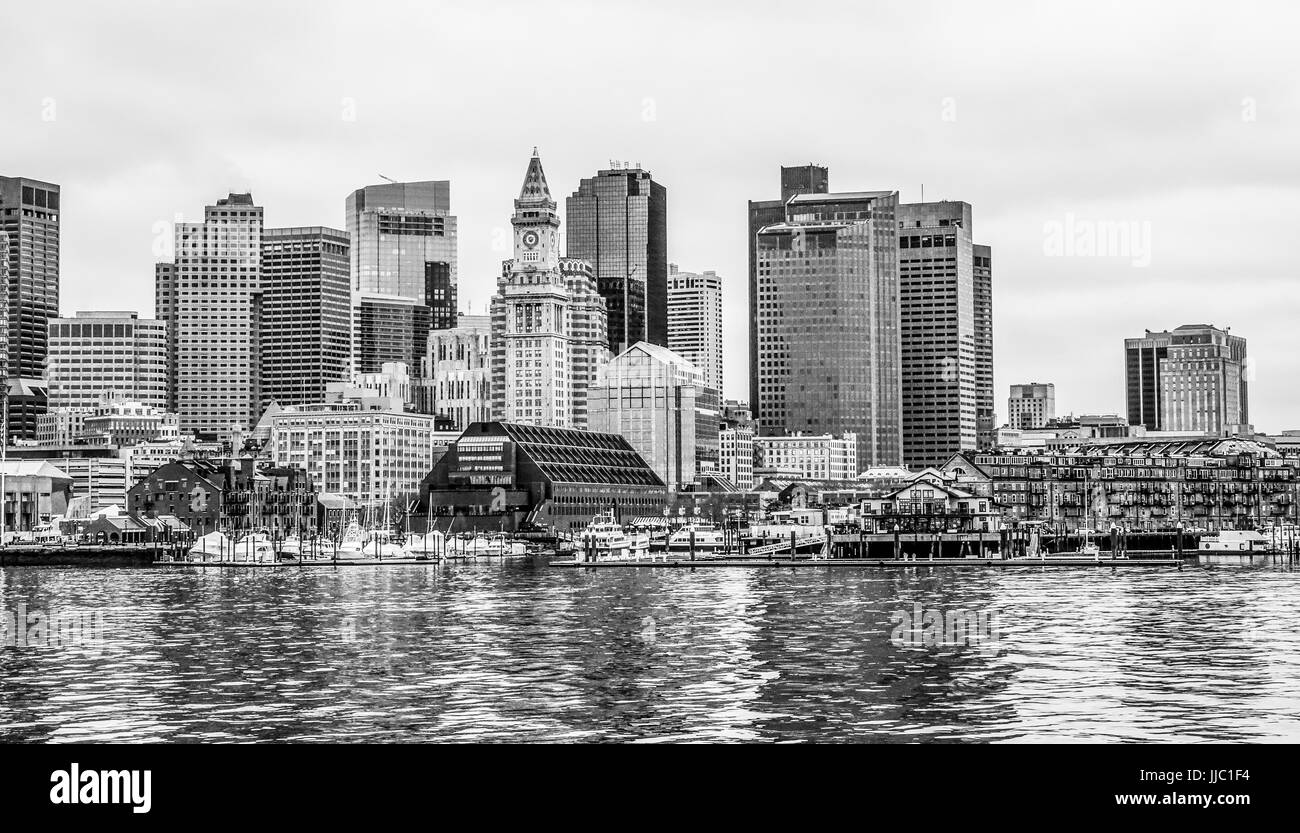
1023,153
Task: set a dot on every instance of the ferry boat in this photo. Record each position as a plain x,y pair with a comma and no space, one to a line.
708,537
605,540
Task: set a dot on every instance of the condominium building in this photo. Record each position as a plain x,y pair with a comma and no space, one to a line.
826,322
811,457
29,225
303,314
736,454
695,321
115,355
218,273
459,365
618,222
1031,405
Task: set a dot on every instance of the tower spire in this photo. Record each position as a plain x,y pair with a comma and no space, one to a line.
535,190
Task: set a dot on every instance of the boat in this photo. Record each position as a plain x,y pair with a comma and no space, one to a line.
605,540
503,547
211,547
253,547
352,544
708,537
467,545
429,545
1236,546
290,547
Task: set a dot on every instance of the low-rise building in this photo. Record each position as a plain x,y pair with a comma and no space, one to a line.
230,495
34,492
809,456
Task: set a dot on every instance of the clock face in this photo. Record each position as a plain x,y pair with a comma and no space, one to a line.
530,239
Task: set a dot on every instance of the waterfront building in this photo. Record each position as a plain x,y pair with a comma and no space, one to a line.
303,313
218,273
1032,405
35,491
98,355
801,179
1146,484
404,271
810,457
367,452
1192,379
618,222
546,319
459,365
506,477
932,501
97,472
648,395
827,322
695,321
240,494
944,379
29,229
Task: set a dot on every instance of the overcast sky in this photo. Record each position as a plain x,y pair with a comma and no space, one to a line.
1179,122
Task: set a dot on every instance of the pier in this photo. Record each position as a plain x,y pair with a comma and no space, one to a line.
783,563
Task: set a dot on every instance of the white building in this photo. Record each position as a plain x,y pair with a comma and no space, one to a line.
367,455
736,455
543,319
647,394
1031,405
459,365
106,354
811,457
695,321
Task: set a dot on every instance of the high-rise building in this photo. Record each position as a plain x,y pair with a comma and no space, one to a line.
459,364
736,444
218,273
826,322
107,355
403,237
695,321
1192,379
618,222
29,219
946,314
546,319
304,314
165,301
1031,405
986,420
647,394
800,179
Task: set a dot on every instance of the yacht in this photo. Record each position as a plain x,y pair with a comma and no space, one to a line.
503,547
1235,546
353,543
605,540
708,537
254,547
429,545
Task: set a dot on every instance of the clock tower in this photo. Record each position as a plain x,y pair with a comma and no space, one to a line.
536,222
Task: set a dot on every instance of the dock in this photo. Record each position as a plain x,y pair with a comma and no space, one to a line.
1055,561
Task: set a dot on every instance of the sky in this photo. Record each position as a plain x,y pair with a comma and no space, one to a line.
1132,165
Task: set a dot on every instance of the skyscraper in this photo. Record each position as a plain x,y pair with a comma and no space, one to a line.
946,333
29,218
695,321
165,300
303,314
107,355
618,222
547,320
403,237
1193,379
218,272
801,179
986,421
827,322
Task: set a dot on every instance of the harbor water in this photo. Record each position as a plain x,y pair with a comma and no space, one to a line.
520,652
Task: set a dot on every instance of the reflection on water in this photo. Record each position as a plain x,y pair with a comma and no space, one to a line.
523,653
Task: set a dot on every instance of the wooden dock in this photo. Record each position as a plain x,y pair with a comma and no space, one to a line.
1166,563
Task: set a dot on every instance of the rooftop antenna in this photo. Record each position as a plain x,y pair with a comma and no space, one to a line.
389,178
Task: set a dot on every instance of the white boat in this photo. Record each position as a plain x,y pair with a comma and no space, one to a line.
503,547
211,547
352,544
290,547
468,545
429,545
254,548
605,540
1236,546
708,537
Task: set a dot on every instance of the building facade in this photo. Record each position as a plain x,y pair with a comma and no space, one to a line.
618,222
303,314
404,269
827,322
166,300
115,355
985,415
218,273
695,321
1031,405
29,224
943,347
459,365
648,395
736,454
811,457
1193,379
